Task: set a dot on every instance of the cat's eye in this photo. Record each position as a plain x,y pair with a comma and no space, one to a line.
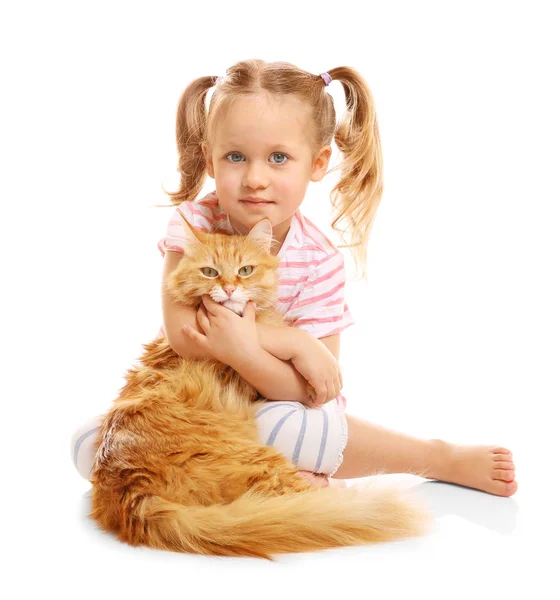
209,272
245,271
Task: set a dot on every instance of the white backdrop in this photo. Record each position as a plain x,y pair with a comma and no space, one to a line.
457,331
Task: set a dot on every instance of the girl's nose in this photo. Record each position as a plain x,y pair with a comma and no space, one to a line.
229,289
255,176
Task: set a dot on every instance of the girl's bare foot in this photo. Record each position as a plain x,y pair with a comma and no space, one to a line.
322,480
486,468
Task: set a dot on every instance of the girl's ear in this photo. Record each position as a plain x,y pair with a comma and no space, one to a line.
193,238
261,235
208,160
321,163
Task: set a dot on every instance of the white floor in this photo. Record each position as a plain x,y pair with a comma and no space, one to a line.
482,546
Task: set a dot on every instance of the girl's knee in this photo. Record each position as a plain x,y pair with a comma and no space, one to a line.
311,438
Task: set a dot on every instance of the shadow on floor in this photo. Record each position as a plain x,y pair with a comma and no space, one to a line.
496,513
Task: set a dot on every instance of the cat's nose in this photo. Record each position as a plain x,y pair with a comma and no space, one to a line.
229,289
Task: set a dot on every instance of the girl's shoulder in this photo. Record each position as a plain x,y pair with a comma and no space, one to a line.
205,214
313,239
310,259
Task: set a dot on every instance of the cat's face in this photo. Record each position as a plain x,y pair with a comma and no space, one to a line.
232,269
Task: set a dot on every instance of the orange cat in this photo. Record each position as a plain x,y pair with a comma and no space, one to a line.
179,464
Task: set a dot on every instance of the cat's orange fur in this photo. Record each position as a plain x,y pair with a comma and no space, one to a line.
179,464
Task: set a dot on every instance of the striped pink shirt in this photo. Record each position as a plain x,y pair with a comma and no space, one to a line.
310,275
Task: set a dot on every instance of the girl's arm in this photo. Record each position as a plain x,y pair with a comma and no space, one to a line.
281,342
274,379
316,360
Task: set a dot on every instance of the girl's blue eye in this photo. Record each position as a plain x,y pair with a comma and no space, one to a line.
280,154
274,154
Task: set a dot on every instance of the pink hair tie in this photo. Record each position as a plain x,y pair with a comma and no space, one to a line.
326,78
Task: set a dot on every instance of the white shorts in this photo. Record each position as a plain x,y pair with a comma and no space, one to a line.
313,439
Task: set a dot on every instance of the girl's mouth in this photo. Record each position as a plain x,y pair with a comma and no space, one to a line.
251,203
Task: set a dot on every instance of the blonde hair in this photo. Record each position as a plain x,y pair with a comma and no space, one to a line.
356,196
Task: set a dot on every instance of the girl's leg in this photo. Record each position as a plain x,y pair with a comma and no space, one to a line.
373,449
313,439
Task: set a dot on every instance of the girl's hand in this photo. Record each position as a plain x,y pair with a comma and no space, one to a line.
314,362
227,336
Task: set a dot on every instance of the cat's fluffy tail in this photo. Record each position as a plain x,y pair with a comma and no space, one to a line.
258,526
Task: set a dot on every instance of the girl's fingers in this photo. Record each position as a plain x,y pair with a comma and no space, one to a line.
209,304
202,319
318,395
336,388
195,335
310,390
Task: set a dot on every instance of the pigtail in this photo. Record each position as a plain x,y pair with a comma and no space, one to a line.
357,194
190,131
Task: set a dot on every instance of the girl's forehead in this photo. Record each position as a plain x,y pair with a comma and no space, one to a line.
253,121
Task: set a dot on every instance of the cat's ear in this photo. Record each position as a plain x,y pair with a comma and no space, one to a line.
192,236
261,235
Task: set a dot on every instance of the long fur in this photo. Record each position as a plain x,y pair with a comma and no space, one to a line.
179,464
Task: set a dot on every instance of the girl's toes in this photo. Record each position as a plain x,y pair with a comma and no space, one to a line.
504,452
507,465
503,458
504,488
504,474
314,478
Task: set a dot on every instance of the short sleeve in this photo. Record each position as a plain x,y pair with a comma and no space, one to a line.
320,308
204,215
175,234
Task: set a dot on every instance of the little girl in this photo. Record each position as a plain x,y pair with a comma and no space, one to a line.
266,134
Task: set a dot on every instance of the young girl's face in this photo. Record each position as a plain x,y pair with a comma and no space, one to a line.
261,148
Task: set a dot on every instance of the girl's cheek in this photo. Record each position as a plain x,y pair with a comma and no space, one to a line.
227,177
